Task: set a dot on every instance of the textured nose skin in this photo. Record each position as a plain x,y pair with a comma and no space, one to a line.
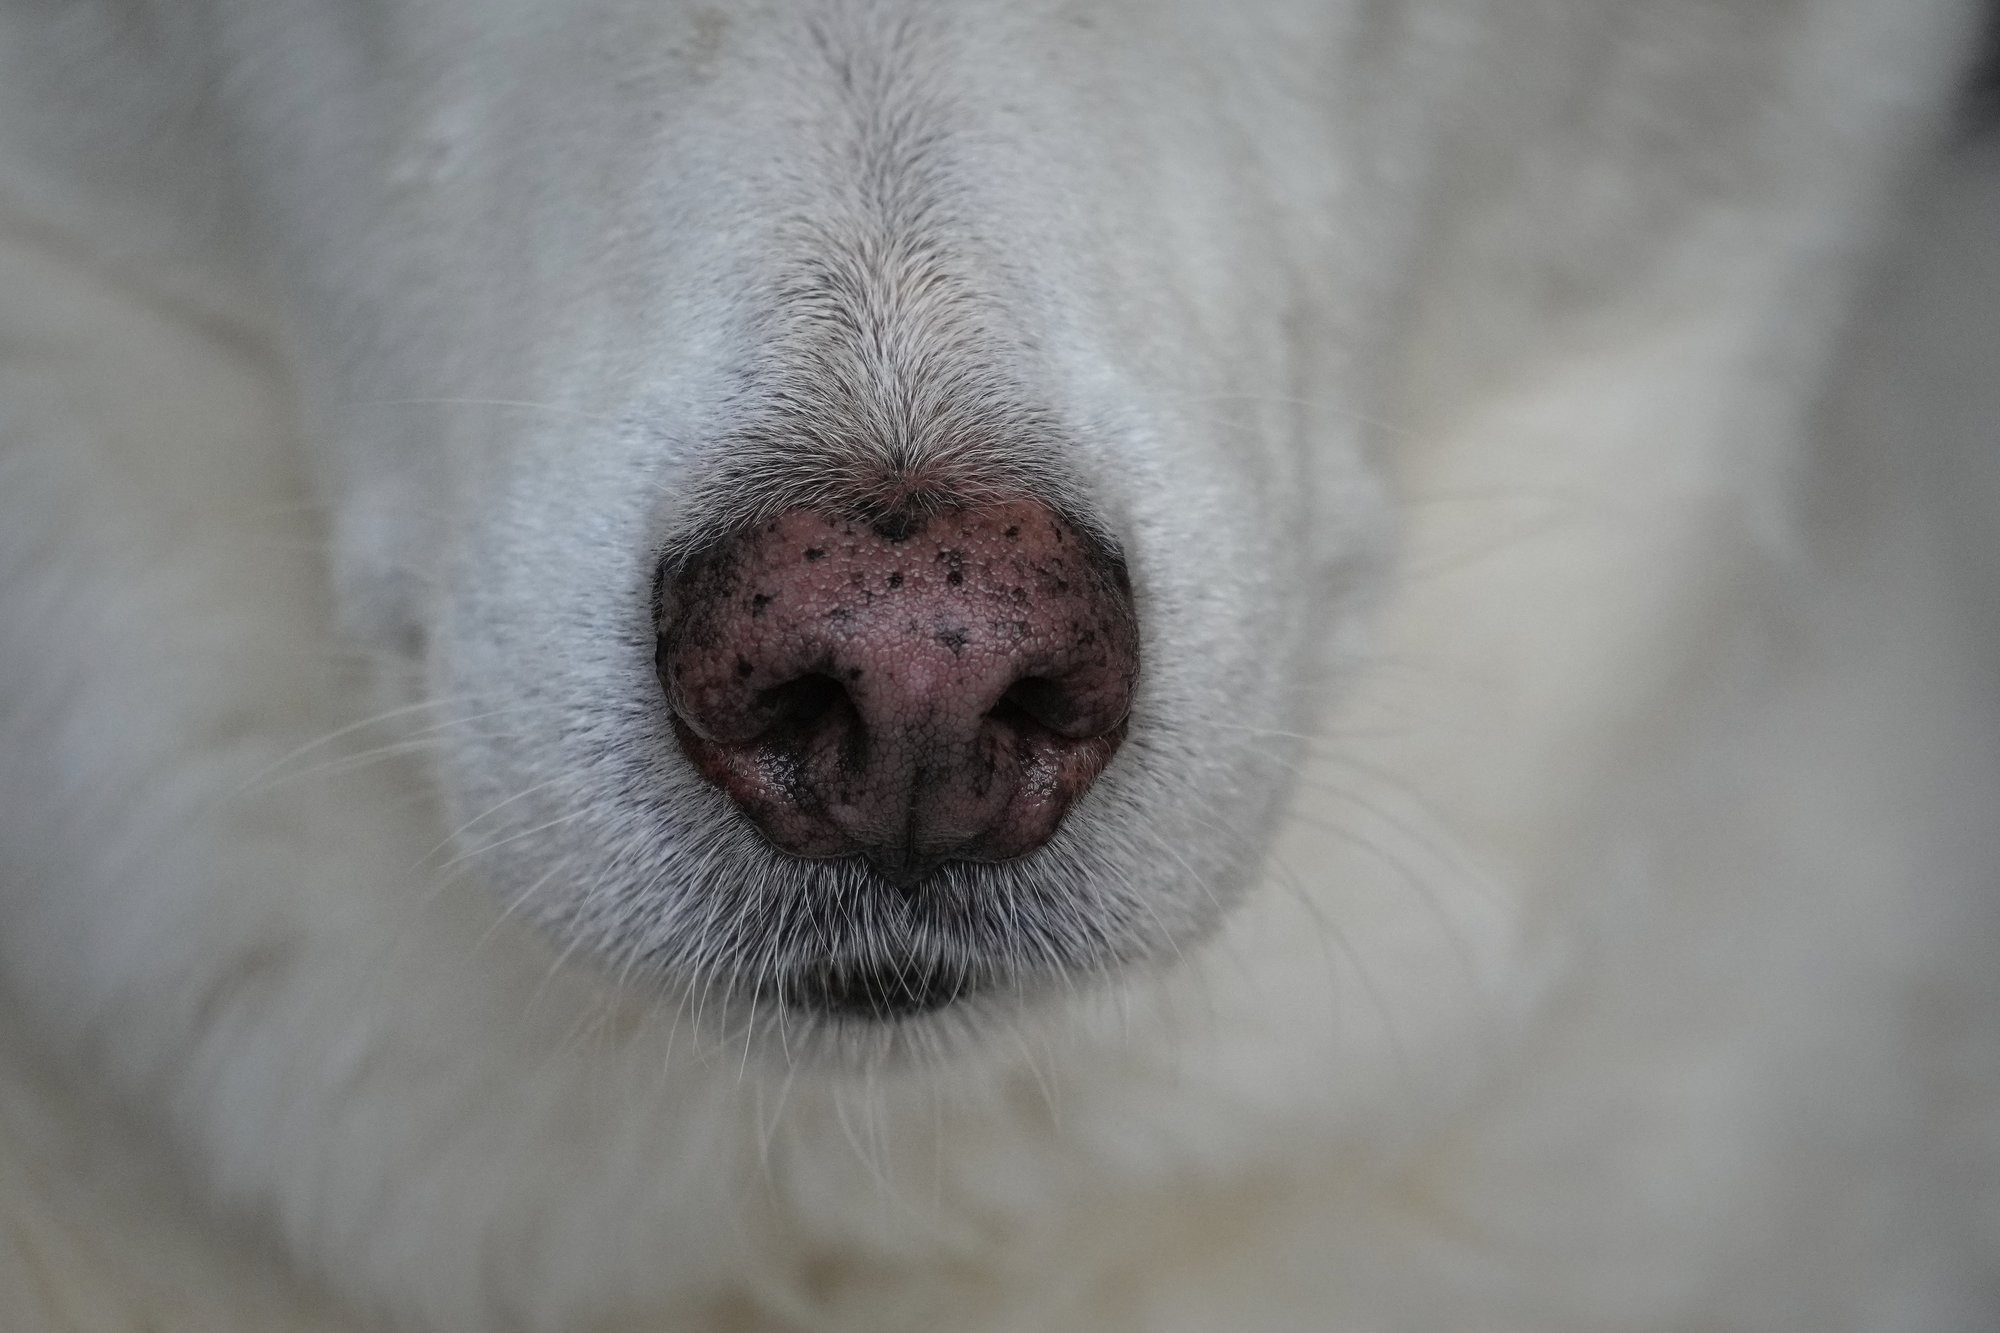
941,688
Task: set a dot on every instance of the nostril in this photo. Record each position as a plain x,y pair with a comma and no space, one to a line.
803,704
1045,704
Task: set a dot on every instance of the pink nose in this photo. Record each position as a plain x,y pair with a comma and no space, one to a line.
944,688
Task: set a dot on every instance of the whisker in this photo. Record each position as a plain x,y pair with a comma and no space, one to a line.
481,850
1399,1054
486,814
335,735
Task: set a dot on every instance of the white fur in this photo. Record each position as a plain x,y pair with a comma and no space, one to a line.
1623,962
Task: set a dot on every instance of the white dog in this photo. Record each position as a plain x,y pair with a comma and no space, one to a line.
906,665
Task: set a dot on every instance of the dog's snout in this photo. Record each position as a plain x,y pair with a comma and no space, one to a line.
938,687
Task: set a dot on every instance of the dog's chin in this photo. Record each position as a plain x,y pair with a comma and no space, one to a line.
879,991
929,972
889,982
829,957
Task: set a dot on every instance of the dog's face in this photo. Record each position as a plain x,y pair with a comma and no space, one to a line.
873,556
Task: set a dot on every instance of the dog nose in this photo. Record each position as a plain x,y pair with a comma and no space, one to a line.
937,686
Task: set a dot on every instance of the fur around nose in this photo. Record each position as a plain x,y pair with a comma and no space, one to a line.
940,686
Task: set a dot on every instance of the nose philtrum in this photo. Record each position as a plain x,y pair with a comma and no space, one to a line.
945,687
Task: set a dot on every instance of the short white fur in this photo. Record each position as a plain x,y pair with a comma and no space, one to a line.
1452,374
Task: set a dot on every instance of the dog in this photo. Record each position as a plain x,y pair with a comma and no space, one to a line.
888,664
